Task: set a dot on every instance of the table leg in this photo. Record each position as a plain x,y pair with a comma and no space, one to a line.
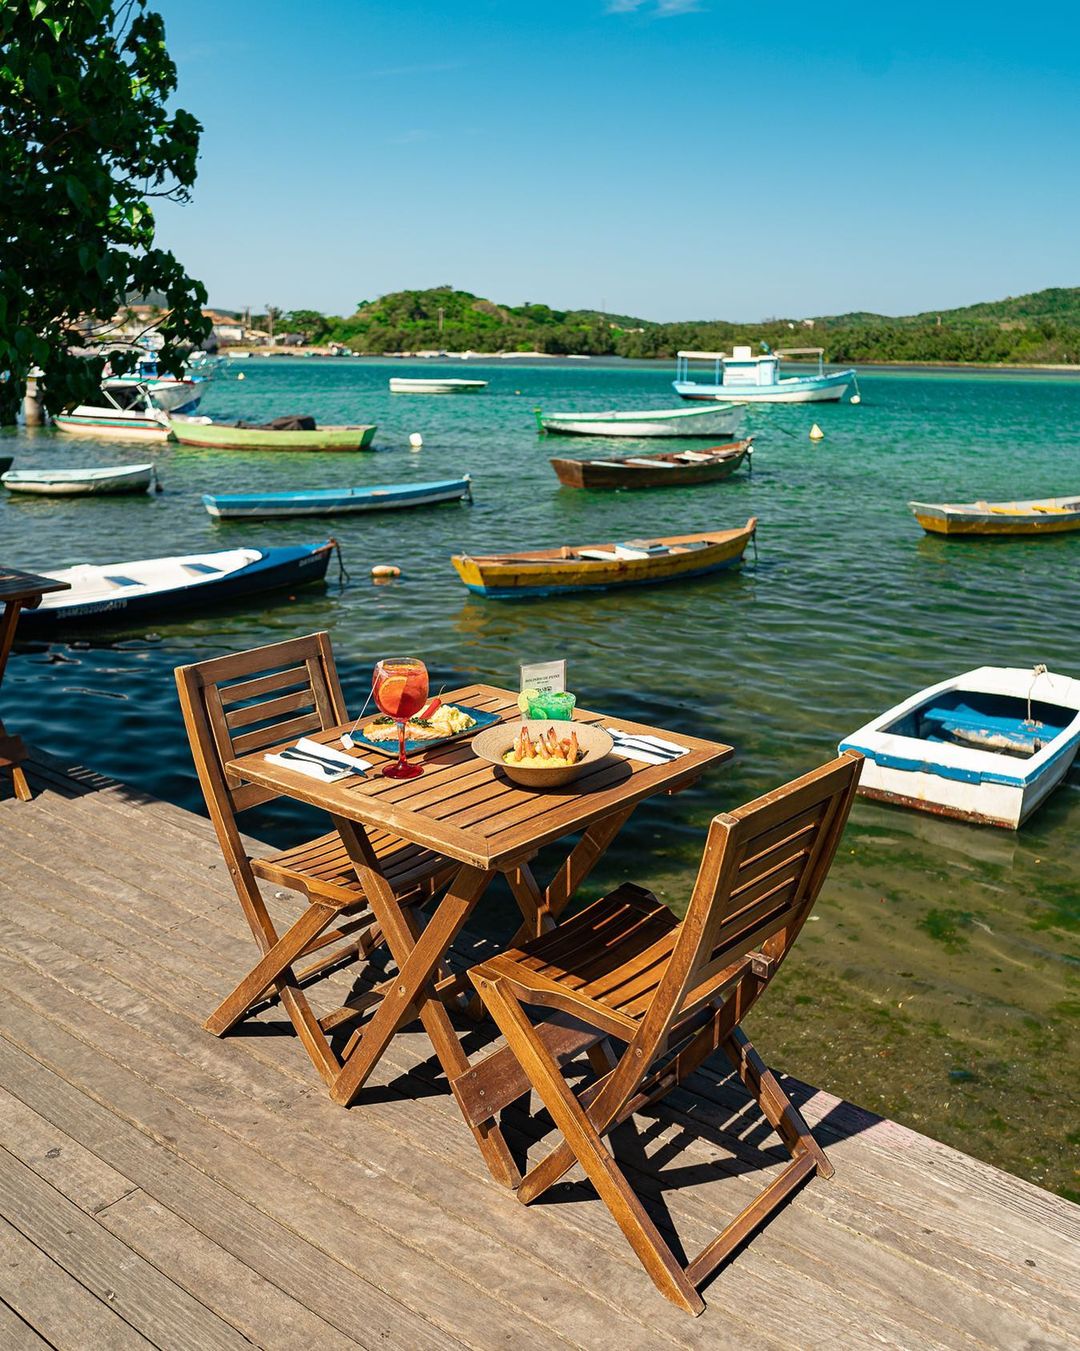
418,956
8,620
579,863
14,751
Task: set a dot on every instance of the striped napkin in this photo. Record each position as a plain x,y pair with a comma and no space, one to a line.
324,771
650,750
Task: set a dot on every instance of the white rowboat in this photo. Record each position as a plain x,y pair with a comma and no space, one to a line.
987,746
405,385
135,478
711,422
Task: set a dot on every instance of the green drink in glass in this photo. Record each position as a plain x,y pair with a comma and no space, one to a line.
557,705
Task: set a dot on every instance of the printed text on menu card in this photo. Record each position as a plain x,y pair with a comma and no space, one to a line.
546,677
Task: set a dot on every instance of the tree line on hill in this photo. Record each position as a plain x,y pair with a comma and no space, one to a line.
1039,328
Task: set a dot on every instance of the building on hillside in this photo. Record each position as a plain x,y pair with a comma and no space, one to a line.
226,327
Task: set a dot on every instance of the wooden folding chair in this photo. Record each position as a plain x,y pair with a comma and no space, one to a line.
262,699
672,993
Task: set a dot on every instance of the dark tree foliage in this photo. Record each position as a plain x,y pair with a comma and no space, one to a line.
1039,328
86,142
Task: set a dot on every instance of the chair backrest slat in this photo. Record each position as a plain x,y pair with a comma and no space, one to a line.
270,708
276,734
266,684
761,872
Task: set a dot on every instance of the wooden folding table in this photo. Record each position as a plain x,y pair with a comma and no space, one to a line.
18,590
469,811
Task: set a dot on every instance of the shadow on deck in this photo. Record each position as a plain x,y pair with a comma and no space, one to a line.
159,1186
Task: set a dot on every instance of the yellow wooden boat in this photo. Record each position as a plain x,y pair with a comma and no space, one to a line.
595,567
1040,516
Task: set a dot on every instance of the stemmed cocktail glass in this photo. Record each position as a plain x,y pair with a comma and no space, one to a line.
399,687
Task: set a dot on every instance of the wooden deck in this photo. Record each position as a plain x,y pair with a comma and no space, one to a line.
161,1187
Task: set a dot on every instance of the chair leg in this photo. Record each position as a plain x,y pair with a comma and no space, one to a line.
275,963
778,1109
581,1136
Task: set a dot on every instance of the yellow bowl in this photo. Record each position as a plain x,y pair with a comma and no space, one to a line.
493,743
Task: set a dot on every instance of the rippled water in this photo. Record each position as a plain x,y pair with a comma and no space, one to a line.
938,980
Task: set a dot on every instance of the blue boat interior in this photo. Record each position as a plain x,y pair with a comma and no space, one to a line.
992,722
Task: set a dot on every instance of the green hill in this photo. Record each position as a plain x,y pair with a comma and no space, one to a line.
1043,327
458,321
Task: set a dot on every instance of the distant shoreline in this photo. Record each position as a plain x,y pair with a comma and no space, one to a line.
926,367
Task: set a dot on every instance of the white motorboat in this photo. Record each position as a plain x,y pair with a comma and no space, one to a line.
126,414
742,377
987,746
133,478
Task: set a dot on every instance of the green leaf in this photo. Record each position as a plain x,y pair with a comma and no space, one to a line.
76,190
37,8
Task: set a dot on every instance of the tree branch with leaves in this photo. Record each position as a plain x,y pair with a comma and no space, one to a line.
87,140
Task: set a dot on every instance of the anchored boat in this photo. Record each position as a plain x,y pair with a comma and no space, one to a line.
283,433
1040,516
649,422
159,587
987,746
336,501
169,393
662,470
745,378
133,478
596,567
405,385
126,414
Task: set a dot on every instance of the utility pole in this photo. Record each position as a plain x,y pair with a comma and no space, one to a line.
441,312
270,321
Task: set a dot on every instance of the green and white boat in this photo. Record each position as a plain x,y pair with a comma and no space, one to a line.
284,433
712,422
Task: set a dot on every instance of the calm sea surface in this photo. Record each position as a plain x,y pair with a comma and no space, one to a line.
938,980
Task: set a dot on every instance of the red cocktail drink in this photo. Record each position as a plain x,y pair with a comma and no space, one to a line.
400,689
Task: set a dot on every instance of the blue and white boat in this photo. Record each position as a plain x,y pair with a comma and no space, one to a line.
336,501
114,593
988,746
745,378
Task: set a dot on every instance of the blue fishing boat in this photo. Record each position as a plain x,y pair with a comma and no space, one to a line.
988,746
336,501
159,587
745,378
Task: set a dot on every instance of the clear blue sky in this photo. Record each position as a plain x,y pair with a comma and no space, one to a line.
664,158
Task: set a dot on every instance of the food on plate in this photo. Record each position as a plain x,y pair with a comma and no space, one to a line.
435,721
547,751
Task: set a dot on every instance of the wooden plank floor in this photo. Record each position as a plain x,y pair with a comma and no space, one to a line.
161,1187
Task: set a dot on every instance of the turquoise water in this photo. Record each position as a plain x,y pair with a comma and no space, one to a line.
938,981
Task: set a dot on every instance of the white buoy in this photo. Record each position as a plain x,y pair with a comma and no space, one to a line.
240,376
416,440
856,398
816,434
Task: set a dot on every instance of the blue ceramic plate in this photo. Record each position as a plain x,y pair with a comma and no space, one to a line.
391,747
